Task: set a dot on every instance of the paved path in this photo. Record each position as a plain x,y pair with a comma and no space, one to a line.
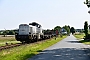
67,49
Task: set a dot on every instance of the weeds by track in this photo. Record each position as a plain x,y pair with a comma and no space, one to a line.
10,46
18,44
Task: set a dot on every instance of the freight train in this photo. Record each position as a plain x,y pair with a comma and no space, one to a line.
32,32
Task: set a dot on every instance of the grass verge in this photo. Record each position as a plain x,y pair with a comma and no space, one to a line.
9,40
80,36
5,39
85,42
26,51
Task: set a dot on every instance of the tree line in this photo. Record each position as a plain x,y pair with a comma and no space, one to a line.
67,28
7,32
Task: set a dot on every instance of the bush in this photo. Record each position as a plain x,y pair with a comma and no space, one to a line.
87,37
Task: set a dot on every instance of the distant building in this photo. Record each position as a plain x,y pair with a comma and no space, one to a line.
63,31
77,31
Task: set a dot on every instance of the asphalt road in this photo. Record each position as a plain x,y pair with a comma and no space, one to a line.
67,49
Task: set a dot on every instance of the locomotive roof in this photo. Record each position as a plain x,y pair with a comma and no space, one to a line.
34,24
24,24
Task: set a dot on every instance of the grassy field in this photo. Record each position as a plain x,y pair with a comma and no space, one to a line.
8,39
80,36
89,32
26,51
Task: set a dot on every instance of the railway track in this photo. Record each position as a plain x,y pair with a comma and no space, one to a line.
10,46
18,44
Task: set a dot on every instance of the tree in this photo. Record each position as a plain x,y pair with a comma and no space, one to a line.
5,32
11,32
0,33
87,3
69,26
72,30
8,32
57,28
86,28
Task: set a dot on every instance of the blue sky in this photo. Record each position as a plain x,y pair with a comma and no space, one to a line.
49,13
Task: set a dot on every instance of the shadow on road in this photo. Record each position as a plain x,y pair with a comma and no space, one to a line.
73,41
63,54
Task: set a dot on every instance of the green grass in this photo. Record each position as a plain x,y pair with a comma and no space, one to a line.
85,42
89,32
9,40
6,39
26,51
9,43
80,36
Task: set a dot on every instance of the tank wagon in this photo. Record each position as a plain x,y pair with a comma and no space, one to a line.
31,32
49,33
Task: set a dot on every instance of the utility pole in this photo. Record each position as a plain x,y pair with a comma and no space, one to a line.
5,33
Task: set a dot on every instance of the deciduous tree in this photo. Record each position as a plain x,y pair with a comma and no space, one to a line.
72,30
